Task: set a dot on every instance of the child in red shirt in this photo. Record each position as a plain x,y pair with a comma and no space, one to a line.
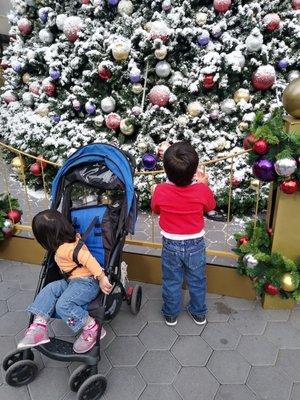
181,203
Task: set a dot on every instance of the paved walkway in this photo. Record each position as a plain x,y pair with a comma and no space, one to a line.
243,353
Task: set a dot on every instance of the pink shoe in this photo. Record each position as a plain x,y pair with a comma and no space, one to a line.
35,335
87,339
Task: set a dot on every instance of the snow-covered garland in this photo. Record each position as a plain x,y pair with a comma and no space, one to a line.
75,73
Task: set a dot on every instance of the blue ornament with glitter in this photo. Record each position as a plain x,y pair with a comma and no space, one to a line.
283,64
56,118
135,75
43,14
204,38
90,108
113,2
17,66
55,74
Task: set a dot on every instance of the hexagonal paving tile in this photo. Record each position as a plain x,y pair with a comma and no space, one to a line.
218,311
269,383
289,362
295,318
20,300
3,307
228,367
257,350
50,381
239,304
284,336
125,351
104,366
13,393
158,336
186,326
160,392
191,351
221,336
108,338
12,323
151,311
127,324
274,315
249,322
235,392
124,384
152,292
7,345
154,362
296,392
196,383
8,288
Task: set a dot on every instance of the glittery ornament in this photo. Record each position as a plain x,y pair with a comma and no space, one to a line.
55,74
163,69
254,41
125,7
249,141
203,38
26,77
27,99
43,14
98,120
18,165
243,126
201,18
250,261
17,66
42,110
288,283
243,240
72,28
56,118
271,289
291,98
241,94
35,169
289,187
126,127
49,88
208,81
113,121
136,111
137,88
135,75
261,147
271,22
60,21
159,30
14,215
263,169
76,105
293,75
108,104
228,106
166,5
90,108
7,228
264,77
161,53
149,161
103,72
159,95
285,167
194,109
113,2
283,64
214,115
34,88
222,6
46,36
9,97
121,50
296,4
142,147
24,26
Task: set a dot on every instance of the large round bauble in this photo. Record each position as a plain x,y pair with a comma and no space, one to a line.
272,290
208,81
296,4
42,110
137,88
18,164
34,88
291,98
113,2
289,187
163,69
222,6
49,88
287,283
90,108
254,41
236,59
285,167
113,121
135,75
260,147
9,97
8,228
194,108
72,28
283,64
43,14
24,26
250,261
264,77
201,18
108,104
136,111
54,74
28,99
159,30
228,106
46,36
161,149
126,127
35,169
161,53
17,66
292,75
243,126
60,21
120,50
241,94
104,73
125,7
26,77
249,141
271,22
159,95
98,120
14,215
203,38
149,161
142,147
263,169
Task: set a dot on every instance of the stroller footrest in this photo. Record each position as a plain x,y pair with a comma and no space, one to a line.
62,350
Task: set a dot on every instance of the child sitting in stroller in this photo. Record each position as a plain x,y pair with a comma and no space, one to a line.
70,296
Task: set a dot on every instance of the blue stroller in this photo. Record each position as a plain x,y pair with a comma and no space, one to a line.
94,189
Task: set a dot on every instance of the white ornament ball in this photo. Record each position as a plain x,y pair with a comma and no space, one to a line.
98,120
161,53
220,144
28,99
60,21
228,106
194,109
137,88
163,69
125,7
121,50
108,104
8,224
72,28
126,127
46,36
142,147
285,167
182,120
254,41
292,75
201,18
250,261
236,59
43,110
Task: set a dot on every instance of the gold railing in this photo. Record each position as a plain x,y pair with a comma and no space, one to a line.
131,241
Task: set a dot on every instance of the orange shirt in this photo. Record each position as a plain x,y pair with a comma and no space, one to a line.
64,259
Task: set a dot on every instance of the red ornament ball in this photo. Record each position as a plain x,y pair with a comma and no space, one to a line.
261,147
159,95
271,22
113,121
222,6
270,232
85,1
14,215
35,169
208,81
296,4
49,88
4,65
242,240
104,73
235,181
271,289
40,161
24,26
249,141
289,187
72,28
264,77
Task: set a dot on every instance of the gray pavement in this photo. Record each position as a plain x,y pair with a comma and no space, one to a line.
243,353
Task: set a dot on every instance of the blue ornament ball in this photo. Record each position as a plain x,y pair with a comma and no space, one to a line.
55,74
135,76
283,64
56,118
90,108
17,66
203,39
43,14
149,161
113,2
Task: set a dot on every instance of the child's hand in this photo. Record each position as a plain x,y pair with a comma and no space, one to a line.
201,177
104,284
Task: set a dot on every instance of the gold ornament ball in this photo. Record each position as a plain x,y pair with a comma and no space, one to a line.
194,108
241,94
126,127
17,164
161,53
120,52
254,184
148,26
137,88
287,283
26,77
291,98
243,126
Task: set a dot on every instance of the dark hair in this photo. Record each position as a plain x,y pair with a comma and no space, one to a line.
181,162
51,229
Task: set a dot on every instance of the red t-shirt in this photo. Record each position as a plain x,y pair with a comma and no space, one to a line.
181,208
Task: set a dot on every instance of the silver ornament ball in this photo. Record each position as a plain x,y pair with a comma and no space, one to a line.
28,99
163,69
108,104
125,7
46,36
250,261
228,106
98,120
285,167
201,18
8,224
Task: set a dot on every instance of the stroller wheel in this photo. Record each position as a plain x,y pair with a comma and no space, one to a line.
93,388
21,373
15,356
78,376
136,300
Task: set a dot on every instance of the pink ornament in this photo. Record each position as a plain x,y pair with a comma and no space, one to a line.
72,28
296,4
34,88
271,22
25,26
159,95
113,121
264,77
222,6
49,88
9,97
85,1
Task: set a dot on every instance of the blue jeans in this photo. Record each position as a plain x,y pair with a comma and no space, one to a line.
183,258
68,298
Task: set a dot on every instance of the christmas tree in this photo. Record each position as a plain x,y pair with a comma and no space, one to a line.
140,73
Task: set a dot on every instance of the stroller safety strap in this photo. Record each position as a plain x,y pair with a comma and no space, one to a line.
82,240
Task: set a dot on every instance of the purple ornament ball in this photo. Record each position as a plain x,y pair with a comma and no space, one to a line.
76,105
90,108
203,41
113,2
136,111
56,118
149,161
55,74
43,14
283,64
214,115
263,169
135,77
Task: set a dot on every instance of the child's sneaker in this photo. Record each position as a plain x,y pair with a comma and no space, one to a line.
87,339
170,321
35,335
198,319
